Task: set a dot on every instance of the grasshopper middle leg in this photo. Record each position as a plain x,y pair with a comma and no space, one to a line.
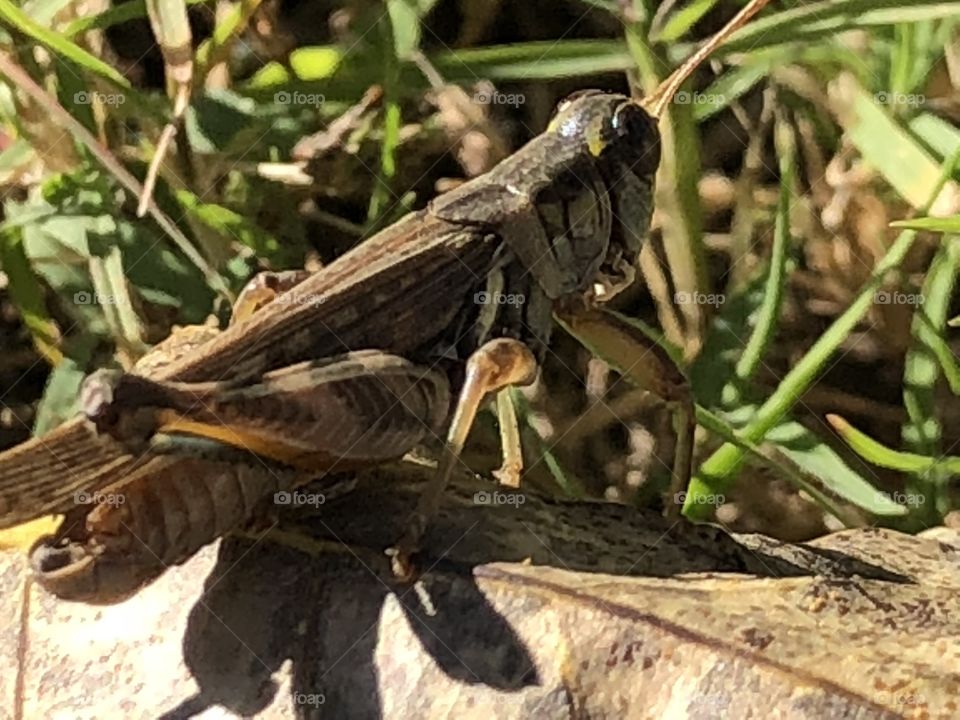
495,366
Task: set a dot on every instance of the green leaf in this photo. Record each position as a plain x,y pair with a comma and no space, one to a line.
116,15
936,133
229,224
58,44
817,458
28,296
830,17
547,60
722,429
405,18
908,167
716,472
882,456
59,401
683,20
943,225
769,313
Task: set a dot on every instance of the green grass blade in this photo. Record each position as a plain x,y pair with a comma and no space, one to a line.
943,225
769,313
719,427
902,161
114,16
716,473
922,432
28,296
216,48
882,456
683,20
22,80
829,17
58,44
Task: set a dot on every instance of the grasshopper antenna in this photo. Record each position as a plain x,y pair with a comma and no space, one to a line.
655,103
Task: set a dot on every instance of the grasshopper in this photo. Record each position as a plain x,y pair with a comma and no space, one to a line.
559,224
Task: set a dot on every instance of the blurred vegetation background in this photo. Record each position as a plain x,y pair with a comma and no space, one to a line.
810,327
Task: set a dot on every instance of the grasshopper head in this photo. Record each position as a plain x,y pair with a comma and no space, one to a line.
624,143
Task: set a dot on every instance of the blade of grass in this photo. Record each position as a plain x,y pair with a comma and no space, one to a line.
769,313
677,195
722,429
21,79
715,474
829,17
168,20
382,192
882,456
922,432
681,22
28,296
58,44
943,225
114,16
216,48
909,169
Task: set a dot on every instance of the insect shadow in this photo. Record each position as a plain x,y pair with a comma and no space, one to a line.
336,615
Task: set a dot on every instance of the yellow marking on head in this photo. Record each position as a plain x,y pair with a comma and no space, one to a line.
595,143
